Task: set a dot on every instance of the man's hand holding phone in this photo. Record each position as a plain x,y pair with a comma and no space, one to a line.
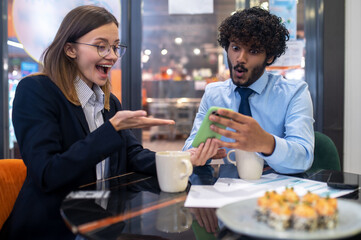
204,131
248,134
205,146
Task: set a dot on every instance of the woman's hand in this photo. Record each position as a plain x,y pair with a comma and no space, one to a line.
205,151
136,119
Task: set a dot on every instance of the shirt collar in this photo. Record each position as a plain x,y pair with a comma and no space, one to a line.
258,85
86,94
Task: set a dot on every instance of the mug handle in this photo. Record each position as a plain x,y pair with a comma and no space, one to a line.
229,152
189,168
188,217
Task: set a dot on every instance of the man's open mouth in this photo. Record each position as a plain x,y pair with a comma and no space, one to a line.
240,69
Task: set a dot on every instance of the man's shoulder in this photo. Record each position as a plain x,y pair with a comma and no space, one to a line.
278,81
219,85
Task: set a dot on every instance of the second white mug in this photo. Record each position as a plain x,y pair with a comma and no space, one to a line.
249,164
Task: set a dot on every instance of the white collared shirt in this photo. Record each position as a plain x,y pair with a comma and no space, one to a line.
92,103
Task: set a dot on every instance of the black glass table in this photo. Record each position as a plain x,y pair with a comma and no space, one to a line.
132,206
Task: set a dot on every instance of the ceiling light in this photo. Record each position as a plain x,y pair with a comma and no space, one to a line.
164,51
196,51
145,58
178,40
169,71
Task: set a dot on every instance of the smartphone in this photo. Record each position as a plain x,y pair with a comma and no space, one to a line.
343,180
204,132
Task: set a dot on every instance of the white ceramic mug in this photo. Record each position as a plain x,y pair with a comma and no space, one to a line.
173,170
174,218
249,164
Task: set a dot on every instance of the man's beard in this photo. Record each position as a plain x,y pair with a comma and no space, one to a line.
254,75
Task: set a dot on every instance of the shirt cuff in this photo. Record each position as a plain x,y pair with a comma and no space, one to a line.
278,153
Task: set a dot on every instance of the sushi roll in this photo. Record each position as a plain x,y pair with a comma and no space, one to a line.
280,215
264,203
304,217
327,213
290,196
287,210
275,196
262,210
310,198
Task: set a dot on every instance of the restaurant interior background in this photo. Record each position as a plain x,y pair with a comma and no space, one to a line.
173,54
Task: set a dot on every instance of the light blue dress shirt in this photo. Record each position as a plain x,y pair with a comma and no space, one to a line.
282,107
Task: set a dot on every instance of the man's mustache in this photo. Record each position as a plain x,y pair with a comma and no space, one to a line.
240,68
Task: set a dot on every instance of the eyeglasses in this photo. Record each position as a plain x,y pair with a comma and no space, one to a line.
104,48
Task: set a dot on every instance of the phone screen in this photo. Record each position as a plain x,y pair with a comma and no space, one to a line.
343,180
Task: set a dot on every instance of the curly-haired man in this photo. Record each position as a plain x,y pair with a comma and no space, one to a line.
279,125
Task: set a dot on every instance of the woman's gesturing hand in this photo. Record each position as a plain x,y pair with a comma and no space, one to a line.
136,119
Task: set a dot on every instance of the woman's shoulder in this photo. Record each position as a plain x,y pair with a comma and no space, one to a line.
36,79
38,86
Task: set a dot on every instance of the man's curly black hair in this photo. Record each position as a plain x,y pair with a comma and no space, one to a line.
257,28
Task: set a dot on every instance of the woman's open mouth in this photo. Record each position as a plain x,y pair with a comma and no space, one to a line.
104,68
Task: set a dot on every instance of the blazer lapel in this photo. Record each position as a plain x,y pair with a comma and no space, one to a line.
81,117
108,114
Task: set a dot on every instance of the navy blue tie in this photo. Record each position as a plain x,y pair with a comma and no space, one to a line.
244,106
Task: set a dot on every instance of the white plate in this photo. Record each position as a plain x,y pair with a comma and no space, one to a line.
240,218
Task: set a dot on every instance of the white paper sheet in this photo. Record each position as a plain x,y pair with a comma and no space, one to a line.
229,190
88,194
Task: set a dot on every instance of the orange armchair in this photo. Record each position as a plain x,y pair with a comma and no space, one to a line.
12,176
